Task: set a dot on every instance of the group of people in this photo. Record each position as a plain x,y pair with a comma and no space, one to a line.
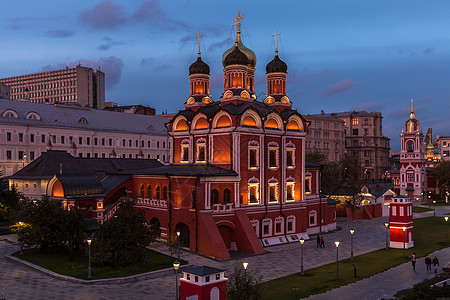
320,241
428,262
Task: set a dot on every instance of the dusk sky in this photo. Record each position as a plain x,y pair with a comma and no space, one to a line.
341,55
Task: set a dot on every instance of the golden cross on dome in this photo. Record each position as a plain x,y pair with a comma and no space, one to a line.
237,21
276,40
198,37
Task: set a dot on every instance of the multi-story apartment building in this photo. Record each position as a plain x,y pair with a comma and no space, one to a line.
29,129
326,135
364,140
4,91
443,143
80,85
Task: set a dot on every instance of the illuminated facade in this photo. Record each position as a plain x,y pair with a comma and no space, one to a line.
80,85
238,179
413,177
401,222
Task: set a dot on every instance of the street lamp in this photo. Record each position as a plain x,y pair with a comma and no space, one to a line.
89,241
245,264
178,243
434,208
429,200
337,260
446,221
302,241
404,230
387,226
352,231
176,265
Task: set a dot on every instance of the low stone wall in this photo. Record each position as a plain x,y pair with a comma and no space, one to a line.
133,278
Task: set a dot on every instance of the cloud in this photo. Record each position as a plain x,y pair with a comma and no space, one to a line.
219,45
104,15
339,87
149,11
60,33
109,42
428,50
112,67
107,15
152,62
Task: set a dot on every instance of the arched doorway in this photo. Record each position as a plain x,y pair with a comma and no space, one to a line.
155,227
227,235
185,235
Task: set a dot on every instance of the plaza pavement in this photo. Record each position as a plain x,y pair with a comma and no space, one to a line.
18,282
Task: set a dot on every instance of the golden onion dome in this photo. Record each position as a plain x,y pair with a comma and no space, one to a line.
248,52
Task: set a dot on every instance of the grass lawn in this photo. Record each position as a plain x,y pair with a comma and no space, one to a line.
429,235
440,203
57,261
419,209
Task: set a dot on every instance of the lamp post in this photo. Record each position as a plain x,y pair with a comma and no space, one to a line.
89,241
429,200
178,244
434,208
302,241
404,232
176,265
337,260
245,264
387,226
446,221
352,231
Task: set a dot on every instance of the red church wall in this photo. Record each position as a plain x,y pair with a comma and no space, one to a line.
221,151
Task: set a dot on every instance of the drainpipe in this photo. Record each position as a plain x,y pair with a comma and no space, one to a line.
264,169
169,202
196,213
231,145
283,182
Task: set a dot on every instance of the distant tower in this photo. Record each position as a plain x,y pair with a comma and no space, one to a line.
203,283
412,159
401,222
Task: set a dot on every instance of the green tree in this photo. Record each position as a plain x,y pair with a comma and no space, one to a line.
442,174
122,240
9,202
243,284
46,224
315,157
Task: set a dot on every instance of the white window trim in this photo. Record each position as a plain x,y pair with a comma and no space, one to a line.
277,198
290,183
290,219
312,213
277,158
253,145
185,144
290,148
256,185
308,176
267,222
255,225
200,143
279,220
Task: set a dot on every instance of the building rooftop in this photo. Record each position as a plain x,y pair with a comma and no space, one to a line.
75,117
361,113
203,271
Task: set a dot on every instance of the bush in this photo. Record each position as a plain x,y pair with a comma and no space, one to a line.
122,240
243,284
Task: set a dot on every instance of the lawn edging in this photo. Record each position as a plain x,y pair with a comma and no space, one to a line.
127,279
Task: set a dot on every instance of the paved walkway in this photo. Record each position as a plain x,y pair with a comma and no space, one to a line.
17,282
388,283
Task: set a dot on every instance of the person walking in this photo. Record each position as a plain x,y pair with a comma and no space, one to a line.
322,242
435,264
428,263
413,261
318,242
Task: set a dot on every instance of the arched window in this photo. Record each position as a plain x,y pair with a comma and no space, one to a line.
165,193
214,197
201,154
149,191
249,121
253,194
142,191
181,125
289,193
272,158
186,153
410,146
158,192
272,193
227,196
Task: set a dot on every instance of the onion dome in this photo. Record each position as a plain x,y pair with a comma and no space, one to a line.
235,57
199,67
276,65
248,52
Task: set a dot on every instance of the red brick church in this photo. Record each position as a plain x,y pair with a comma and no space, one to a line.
238,179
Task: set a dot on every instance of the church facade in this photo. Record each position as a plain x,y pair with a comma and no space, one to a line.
238,179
